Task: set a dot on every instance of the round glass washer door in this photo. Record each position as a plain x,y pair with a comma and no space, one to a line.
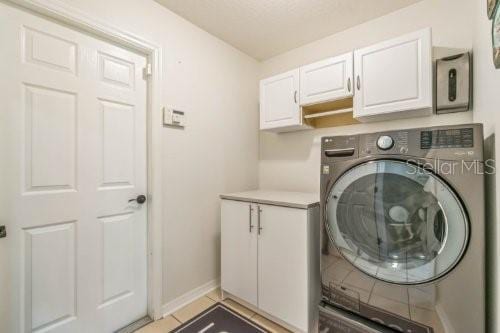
397,222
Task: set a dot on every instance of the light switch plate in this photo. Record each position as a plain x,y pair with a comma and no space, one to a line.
173,118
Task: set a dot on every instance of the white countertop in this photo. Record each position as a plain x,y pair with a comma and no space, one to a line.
278,198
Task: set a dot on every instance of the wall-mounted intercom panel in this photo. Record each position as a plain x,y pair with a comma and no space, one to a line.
173,118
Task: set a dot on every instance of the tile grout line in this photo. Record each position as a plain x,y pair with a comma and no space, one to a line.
176,319
213,299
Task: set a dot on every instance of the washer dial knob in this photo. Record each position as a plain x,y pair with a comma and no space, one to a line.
385,142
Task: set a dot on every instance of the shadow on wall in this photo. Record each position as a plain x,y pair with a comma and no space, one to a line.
295,145
491,231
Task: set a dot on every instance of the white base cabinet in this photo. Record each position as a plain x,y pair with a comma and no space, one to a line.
270,259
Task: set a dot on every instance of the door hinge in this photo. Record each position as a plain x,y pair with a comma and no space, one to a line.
148,70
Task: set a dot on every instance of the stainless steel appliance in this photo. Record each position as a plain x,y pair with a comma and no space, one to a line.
402,236
454,83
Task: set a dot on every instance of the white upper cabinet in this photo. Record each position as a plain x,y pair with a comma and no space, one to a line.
393,79
279,102
327,80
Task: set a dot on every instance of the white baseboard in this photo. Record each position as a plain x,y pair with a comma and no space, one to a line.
188,297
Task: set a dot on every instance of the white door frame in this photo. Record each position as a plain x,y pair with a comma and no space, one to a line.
77,19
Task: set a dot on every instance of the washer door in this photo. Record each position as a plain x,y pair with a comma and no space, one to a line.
397,222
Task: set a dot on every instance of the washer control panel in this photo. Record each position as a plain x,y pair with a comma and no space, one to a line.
458,142
449,138
385,142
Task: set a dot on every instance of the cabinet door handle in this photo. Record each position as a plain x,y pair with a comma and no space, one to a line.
295,96
349,84
259,227
250,210
358,83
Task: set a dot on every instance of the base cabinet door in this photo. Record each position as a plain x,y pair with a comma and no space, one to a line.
283,264
239,249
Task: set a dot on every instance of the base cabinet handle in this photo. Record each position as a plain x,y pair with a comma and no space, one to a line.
259,226
250,225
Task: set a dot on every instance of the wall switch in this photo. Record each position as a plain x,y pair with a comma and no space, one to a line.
173,118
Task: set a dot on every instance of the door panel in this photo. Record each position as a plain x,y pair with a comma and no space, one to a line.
44,49
117,257
283,264
75,123
47,250
117,144
399,84
327,80
239,250
394,75
50,116
279,101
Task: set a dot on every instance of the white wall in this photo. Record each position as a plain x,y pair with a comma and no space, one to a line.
217,152
487,111
291,161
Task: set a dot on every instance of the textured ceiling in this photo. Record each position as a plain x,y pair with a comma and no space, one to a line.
265,28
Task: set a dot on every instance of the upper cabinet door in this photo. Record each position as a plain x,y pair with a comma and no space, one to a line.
327,80
394,76
279,101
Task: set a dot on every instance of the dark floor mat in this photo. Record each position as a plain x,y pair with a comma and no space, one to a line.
219,318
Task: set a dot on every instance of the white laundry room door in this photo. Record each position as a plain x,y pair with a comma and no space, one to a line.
73,151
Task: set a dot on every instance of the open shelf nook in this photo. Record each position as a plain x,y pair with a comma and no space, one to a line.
329,114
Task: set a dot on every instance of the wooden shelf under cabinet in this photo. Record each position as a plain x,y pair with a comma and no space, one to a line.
329,114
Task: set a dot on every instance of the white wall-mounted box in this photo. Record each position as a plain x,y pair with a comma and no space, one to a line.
174,118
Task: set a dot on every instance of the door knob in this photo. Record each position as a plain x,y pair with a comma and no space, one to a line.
140,199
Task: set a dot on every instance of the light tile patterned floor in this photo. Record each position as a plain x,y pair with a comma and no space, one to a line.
191,310
415,303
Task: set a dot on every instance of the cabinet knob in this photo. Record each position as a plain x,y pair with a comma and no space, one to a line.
358,82
349,84
295,96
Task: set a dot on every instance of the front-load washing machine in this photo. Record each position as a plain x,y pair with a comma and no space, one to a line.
402,241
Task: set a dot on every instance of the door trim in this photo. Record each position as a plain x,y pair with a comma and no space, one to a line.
79,20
